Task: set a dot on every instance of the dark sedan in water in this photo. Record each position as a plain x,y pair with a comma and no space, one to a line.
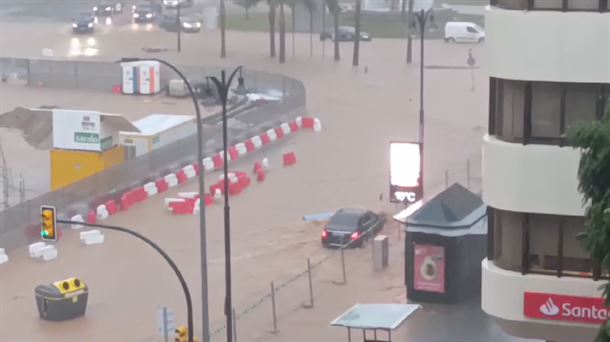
84,23
351,228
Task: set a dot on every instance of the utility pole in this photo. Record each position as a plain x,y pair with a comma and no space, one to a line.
179,24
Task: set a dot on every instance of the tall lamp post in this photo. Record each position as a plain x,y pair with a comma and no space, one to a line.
222,86
205,327
422,18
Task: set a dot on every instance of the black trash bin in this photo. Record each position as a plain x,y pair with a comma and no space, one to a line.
445,242
62,300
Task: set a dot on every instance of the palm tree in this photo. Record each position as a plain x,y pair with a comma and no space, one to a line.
357,36
223,28
282,33
272,5
333,8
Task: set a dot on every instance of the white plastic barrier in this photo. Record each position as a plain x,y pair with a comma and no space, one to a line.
189,171
77,218
102,212
34,249
317,125
171,180
208,164
3,256
91,237
196,207
191,194
217,195
48,252
285,128
265,163
241,148
299,121
151,189
258,143
272,135
171,200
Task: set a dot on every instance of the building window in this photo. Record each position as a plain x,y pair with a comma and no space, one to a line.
586,5
546,110
549,246
542,112
548,4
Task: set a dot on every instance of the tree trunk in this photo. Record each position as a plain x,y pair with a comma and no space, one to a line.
394,5
282,33
409,35
403,11
336,23
294,26
247,9
223,22
272,30
356,59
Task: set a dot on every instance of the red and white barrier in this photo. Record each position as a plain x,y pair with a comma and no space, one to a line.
171,179
217,195
272,135
91,237
77,218
265,163
257,141
151,189
189,171
102,212
218,161
289,158
241,149
293,126
208,164
299,121
188,195
317,125
161,185
3,256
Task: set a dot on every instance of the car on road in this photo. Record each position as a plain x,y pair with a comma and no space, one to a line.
464,32
84,23
351,228
189,24
346,34
108,8
175,3
144,12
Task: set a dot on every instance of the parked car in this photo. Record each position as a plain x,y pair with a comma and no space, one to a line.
84,23
464,32
175,3
188,24
144,13
108,8
351,228
346,34
155,4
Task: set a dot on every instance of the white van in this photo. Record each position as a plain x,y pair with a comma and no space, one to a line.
463,32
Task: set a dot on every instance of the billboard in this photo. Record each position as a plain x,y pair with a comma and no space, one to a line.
429,268
406,181
556,307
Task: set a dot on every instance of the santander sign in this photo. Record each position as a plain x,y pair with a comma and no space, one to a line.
565,308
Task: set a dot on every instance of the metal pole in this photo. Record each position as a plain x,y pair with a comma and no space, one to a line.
324,29
422,25
234,326
227,222
179,27
223,20
310,283
273,308
185,288
205,325
165,335
343,265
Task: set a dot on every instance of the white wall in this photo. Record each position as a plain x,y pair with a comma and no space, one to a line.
174,134
531,178
502,297
548,45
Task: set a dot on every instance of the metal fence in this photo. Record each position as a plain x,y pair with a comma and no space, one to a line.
19,224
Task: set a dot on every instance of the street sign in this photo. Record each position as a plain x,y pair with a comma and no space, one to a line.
166,322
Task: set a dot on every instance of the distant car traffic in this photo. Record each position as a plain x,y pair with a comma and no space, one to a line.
144,12
84,23
107,8
175,3
187,24
351,228
346,34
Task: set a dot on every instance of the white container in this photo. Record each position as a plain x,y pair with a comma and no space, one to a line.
130,81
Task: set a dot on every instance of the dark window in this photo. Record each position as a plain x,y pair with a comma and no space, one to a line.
588,5
581,103
512,4
510,104
548,4
471,29
546,109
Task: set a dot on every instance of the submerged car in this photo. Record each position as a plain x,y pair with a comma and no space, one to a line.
108,8
349,228
187,24
84,23
345,34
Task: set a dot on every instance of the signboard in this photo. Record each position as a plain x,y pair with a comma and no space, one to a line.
429,268
556,307
80,130
406,181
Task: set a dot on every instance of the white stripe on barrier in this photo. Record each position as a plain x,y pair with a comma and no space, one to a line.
77,218
3,256
241,148
258,143
102,212
272,135
190,194
285,128
208,164
299,121
317,125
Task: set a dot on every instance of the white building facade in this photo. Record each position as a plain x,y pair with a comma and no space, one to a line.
549,69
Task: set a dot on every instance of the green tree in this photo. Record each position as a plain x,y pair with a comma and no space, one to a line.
593,138
334,9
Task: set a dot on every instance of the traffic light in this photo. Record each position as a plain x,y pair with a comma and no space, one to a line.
182,334
48,227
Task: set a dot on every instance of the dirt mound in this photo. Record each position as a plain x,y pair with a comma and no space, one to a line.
36,125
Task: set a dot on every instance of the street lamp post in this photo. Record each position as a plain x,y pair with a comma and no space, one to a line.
422,17
223,86
205,327
185,289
